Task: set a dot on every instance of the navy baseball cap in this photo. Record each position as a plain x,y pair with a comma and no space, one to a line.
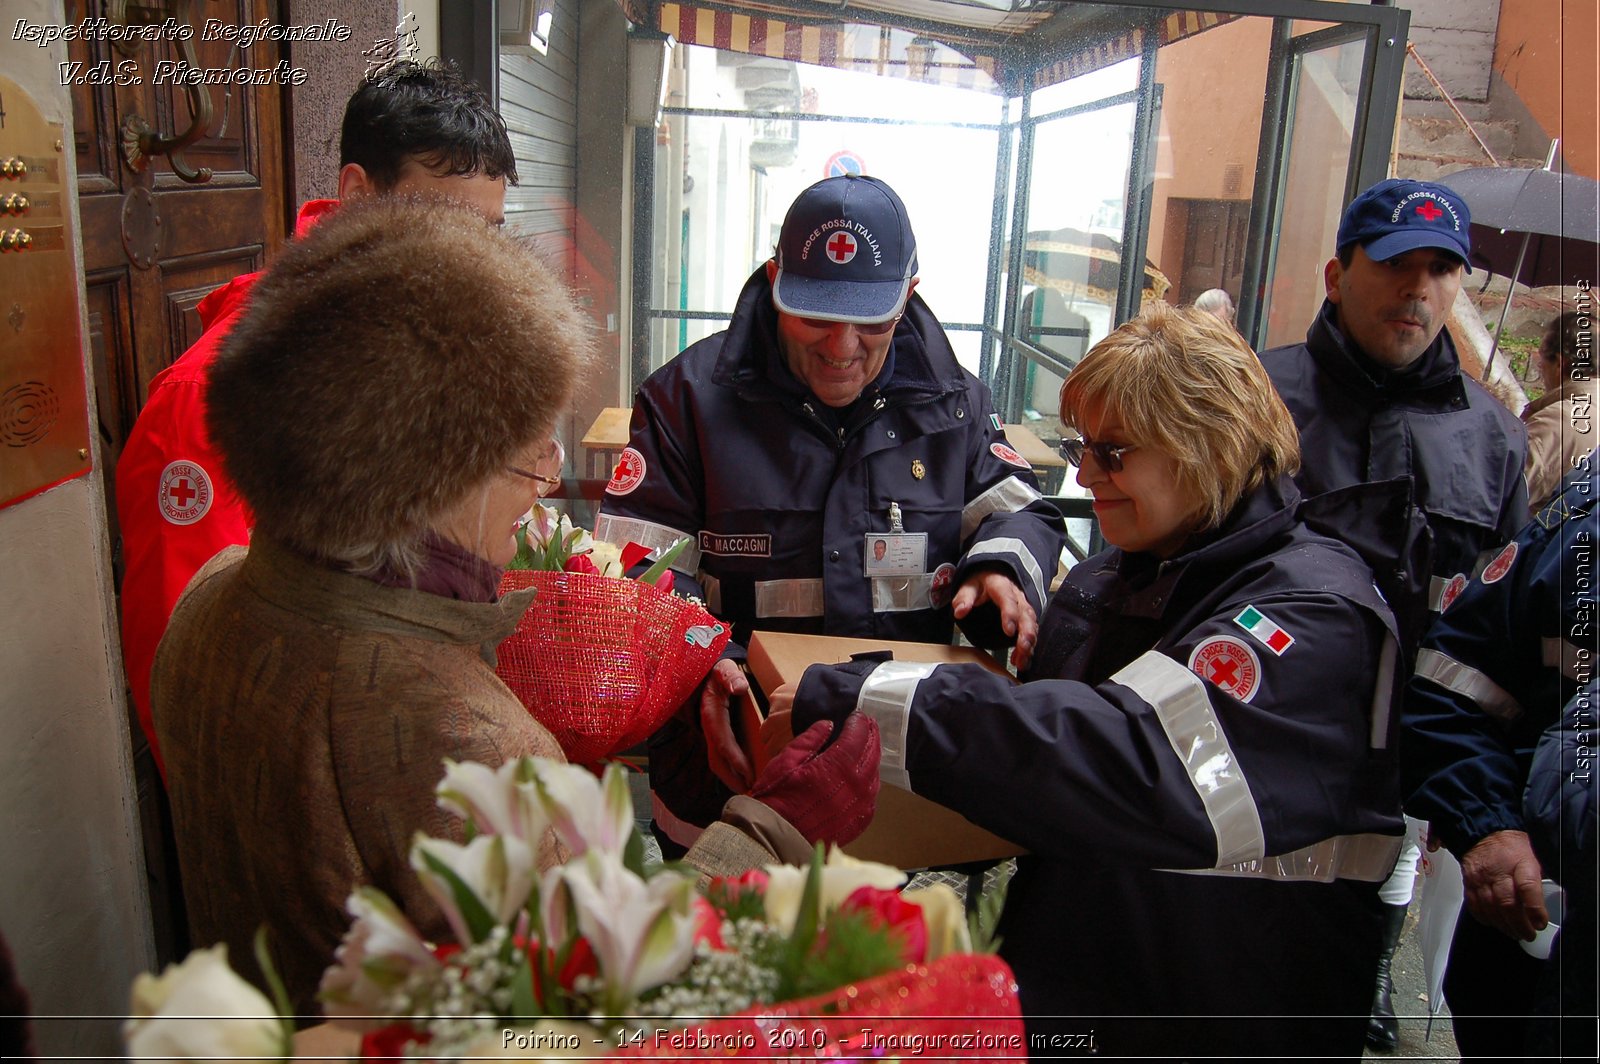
845,252
1397,216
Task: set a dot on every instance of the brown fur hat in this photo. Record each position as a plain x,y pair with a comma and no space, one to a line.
389,363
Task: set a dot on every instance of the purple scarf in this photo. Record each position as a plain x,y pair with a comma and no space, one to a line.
448,571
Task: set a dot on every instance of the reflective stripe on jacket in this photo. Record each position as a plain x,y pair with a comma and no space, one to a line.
1196,759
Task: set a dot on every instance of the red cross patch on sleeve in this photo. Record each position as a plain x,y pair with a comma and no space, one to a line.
1229,664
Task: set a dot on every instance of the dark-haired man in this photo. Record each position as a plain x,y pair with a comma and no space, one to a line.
1378,395
410,129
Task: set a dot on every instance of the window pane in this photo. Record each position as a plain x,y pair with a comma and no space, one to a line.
1326,87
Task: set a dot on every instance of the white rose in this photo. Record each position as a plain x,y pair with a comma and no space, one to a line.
945,918
201,1010
842,875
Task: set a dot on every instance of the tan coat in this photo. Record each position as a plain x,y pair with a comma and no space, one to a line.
1561,429
305,715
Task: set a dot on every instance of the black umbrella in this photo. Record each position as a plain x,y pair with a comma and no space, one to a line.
1539,227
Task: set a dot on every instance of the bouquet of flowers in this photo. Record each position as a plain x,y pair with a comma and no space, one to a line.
600,661
602,955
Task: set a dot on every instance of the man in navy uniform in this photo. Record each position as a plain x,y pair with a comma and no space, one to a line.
829,415
1492,678
1378,395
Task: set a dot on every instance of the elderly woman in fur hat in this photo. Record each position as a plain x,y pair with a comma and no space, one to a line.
396,376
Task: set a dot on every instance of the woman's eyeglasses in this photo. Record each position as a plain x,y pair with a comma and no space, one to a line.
554,457
540,477
1109,455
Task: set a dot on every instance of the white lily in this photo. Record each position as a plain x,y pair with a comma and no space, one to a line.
497,869
841,876
587,814
945,918
201,1010
642,933
379,952
498,801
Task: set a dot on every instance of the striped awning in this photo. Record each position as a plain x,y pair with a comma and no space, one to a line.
932,41
881,50
1125,45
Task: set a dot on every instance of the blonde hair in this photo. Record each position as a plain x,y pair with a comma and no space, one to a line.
1183,381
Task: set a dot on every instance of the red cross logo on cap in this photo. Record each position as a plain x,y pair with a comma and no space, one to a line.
1429,211
841,248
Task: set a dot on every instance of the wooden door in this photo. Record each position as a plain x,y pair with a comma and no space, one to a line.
153,246
1213,249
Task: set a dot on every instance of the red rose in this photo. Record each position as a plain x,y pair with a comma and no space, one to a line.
729,889
580,961
580,563
707,924
390,1042
903,919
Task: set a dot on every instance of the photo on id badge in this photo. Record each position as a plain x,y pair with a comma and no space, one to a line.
895,554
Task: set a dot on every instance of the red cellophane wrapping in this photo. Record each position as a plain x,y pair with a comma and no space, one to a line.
963,1005
602,662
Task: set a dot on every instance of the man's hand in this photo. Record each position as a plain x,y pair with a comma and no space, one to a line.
727,758
1016,616
1503,888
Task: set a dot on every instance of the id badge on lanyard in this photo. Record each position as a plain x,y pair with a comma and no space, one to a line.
895,552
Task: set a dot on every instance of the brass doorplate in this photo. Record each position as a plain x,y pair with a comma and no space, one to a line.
44,407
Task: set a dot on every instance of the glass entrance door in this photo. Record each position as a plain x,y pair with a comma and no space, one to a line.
1320,146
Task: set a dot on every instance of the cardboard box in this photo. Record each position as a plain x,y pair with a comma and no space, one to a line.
908,831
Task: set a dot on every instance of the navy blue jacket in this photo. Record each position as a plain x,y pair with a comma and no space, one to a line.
1219,712
1497,668
1560,801
729,449
1461,451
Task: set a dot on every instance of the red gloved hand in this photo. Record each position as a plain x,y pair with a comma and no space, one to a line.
828,791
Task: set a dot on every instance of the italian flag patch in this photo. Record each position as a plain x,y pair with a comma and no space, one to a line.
1265,629
994,419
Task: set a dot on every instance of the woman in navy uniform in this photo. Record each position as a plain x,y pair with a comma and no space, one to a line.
1198,762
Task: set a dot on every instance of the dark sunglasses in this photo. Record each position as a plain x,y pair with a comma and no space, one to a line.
1109,455
877,328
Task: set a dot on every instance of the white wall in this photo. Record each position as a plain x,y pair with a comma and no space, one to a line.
72,891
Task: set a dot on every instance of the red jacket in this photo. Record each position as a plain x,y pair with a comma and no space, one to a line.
175,507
